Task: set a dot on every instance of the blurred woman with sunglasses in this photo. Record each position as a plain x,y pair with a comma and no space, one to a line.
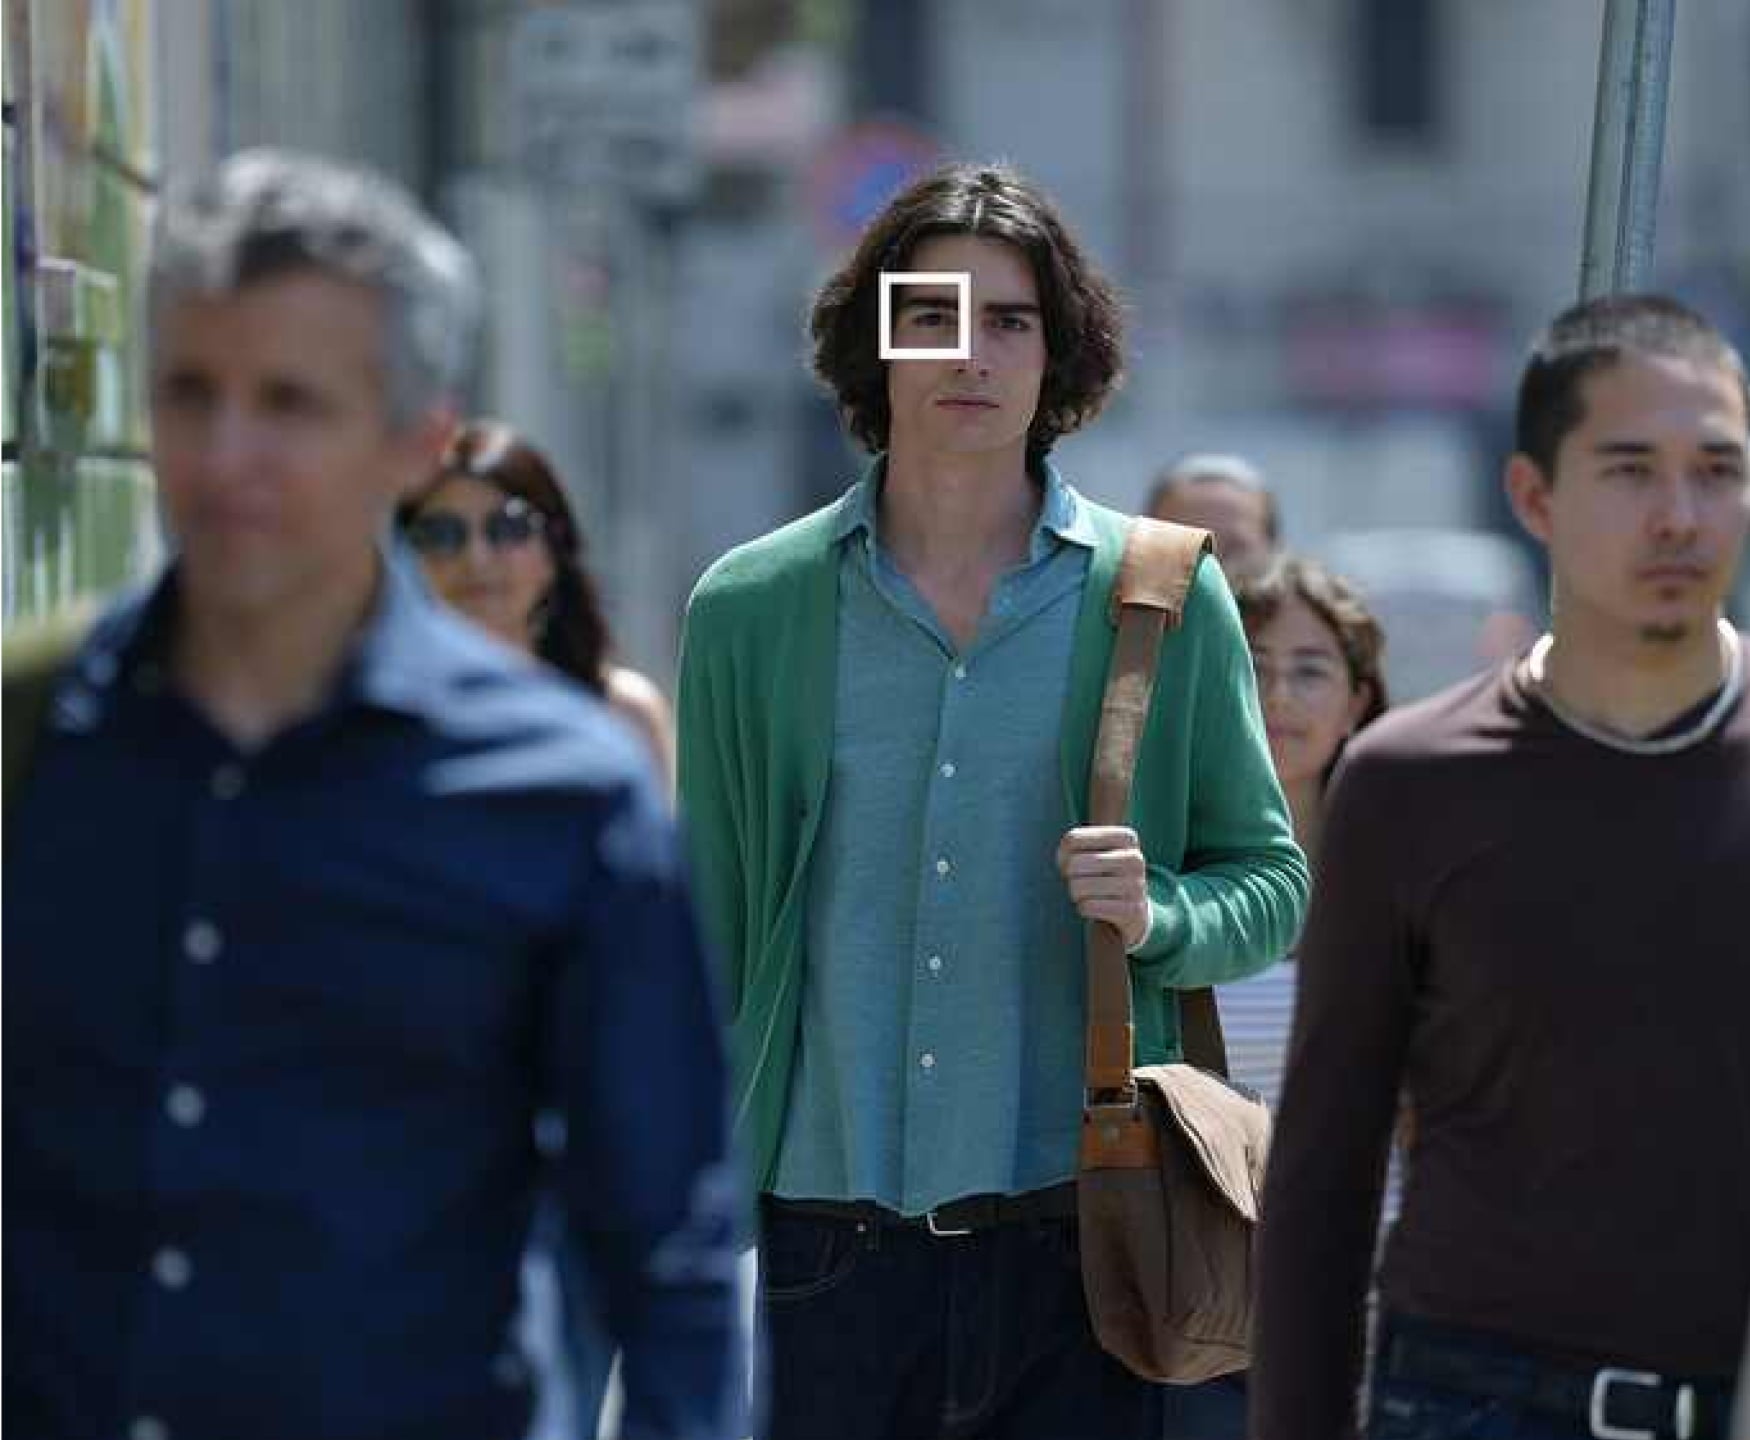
497,539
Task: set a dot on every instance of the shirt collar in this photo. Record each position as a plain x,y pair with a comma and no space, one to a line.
1063,513
404,657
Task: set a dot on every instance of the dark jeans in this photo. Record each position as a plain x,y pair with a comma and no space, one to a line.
877,1333
1213,1410
1410,1409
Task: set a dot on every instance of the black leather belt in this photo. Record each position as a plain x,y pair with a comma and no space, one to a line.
1613,1403
958,1217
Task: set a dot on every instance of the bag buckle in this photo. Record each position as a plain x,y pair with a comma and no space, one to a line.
943,1232
1683,1409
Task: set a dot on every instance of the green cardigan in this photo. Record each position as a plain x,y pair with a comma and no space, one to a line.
1227,883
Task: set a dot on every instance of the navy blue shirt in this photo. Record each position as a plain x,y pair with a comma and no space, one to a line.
277,1028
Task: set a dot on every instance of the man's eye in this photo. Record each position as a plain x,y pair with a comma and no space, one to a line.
183,393
292,400
1017,323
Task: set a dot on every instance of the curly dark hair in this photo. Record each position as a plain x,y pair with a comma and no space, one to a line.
1083,319
1338,603
573,632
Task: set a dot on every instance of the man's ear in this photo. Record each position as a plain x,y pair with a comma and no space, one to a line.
1528,492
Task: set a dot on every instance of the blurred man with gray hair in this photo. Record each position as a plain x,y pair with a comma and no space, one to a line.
1227,496
318,896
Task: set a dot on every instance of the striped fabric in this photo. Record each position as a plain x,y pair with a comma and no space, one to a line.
1257,1015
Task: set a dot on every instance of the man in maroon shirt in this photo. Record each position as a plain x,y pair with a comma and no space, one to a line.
1531,915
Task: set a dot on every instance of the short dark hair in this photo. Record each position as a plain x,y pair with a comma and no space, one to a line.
572,633
1339,604
1080,310
1593,336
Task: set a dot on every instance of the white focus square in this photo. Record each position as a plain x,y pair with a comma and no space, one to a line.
961,280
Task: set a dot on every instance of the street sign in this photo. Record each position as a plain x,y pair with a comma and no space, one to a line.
605,90
859,171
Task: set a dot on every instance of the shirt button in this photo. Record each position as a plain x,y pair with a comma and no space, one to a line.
947,769
186,1105
942,866
202,942
172,1268
148,1427
935,964
100,667
959,672
927,1060
227,781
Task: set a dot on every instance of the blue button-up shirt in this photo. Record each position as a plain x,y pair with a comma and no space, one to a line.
277,1028
943,1007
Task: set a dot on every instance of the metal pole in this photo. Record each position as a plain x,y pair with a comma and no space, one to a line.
1628,141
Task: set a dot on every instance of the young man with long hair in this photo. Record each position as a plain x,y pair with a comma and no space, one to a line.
887,715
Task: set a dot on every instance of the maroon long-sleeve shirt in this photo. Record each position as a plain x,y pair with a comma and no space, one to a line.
1546,941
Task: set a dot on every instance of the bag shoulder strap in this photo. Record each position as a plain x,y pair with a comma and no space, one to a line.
1148,598
31,661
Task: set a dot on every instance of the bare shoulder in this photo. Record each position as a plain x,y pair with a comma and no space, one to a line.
637,698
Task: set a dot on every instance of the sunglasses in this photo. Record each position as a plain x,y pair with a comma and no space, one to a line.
444,534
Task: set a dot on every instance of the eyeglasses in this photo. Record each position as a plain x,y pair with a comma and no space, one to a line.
444,534
1303,679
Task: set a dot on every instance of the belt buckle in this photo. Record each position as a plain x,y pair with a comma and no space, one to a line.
1683,1410
941,1232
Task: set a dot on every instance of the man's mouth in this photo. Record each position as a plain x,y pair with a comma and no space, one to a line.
967,402
1673,573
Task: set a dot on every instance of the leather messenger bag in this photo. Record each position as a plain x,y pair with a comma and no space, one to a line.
1172,1156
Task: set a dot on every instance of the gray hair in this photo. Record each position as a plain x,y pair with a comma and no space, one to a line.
1211,465
1202,467
264,213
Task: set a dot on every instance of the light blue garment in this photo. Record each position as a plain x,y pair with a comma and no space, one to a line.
943,1004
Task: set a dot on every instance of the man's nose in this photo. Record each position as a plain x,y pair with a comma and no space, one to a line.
975,357
1679,509
231,440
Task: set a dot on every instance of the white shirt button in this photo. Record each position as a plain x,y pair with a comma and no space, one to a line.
927,1060
172,1268
148,1427
186,1105
942,866
947,769
960,672
202,942
227,781
935,964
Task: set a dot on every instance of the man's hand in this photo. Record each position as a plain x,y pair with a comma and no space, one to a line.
1108,877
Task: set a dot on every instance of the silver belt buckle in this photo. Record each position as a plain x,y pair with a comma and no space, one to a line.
938,1231
1683,1410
